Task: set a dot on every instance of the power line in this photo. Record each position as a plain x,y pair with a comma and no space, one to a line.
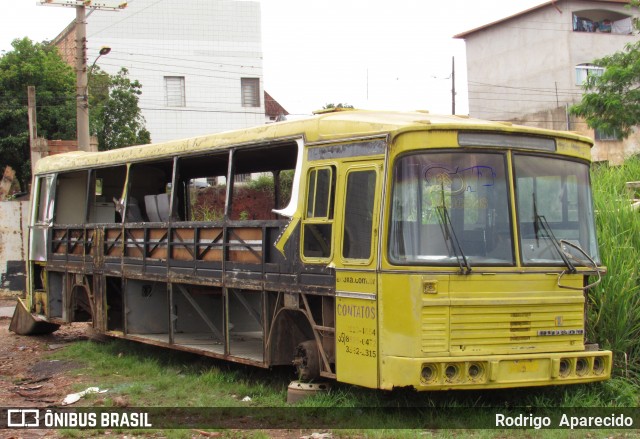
200,110
176,72
194,60
526,88
125,18
505,89
518,100
541,94
173,65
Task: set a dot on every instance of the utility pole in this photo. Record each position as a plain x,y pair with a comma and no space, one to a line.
38,146
453,85
35,152
82,90
82,97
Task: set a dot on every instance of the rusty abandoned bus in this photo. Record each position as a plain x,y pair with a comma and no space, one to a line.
438,252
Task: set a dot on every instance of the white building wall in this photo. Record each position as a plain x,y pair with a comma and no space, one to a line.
211,43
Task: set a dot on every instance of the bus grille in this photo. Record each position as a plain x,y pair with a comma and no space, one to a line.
517,328
435,329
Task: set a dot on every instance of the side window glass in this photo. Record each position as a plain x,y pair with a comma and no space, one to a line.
44,213
320,191
358,215
318,224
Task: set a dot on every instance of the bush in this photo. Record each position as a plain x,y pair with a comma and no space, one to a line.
614,305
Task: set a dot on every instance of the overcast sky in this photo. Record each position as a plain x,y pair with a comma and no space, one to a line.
376,54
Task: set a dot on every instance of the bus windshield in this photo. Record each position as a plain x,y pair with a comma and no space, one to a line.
451,208
553,198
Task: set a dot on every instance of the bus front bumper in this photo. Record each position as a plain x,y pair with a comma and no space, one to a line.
495,371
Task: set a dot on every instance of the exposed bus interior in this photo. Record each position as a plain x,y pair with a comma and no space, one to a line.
106,190
177,270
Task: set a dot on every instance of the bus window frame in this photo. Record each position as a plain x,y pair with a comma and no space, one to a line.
374,214
396,262
588,204
310,220
50,181
62,193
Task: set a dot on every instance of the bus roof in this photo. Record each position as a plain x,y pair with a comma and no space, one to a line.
326,126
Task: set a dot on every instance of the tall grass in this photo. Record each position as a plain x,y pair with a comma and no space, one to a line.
614,308
151,376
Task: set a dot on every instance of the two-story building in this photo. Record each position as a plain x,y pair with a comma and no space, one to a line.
529,68
199,62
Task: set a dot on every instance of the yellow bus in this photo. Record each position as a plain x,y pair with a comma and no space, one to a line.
436,252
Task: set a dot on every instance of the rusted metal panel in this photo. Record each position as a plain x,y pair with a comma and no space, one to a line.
13,231
99,302
24,323
232,257
203,352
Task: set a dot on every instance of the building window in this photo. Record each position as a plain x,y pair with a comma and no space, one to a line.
607,136
602,21
583,71
174,91
250,92
242,178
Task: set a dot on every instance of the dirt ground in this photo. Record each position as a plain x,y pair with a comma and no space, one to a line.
26,378
247,203
29,379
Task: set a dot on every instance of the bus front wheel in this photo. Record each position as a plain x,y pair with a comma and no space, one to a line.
307,360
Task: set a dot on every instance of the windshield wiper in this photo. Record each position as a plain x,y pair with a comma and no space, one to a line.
450,235
540,222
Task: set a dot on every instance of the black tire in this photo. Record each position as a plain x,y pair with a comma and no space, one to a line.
307,360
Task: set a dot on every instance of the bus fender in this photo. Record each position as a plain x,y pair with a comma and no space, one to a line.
290,328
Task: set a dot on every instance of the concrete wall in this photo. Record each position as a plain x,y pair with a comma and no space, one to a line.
523,69
527,64
612,151
13,244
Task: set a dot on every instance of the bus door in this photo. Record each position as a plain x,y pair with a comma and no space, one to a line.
356,282
41,221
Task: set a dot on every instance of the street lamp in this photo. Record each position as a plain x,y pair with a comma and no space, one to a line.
104,50
82,111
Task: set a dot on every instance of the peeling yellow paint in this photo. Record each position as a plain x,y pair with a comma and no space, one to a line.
326,126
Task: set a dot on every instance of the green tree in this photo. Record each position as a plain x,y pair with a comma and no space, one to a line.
611,102
115,116
340,105
39,65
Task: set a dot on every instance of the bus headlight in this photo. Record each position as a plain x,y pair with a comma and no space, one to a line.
598,365
582,366
452,372
475,371
565,367
429,373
